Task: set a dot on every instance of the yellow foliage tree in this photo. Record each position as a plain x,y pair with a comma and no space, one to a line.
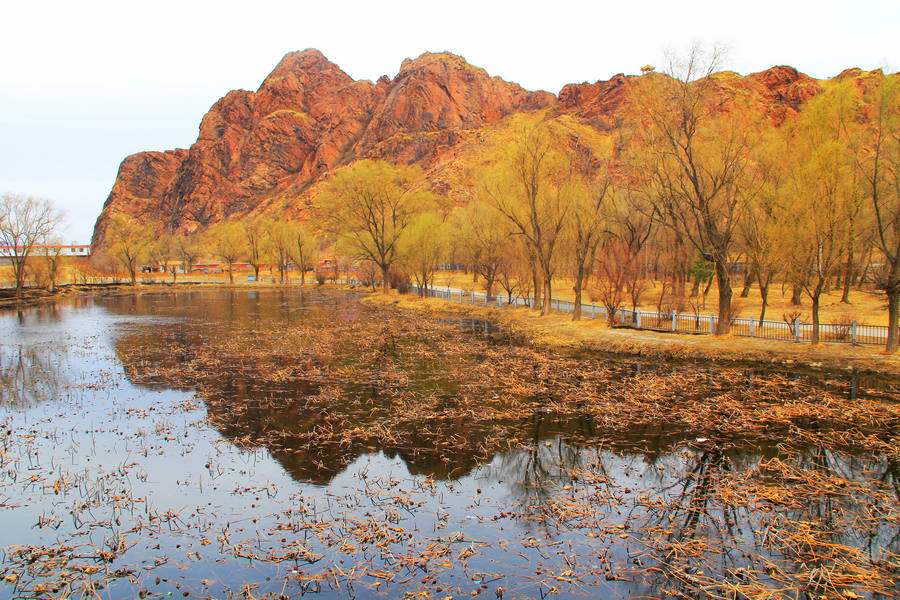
423,247
528,188
227,241
130,242
369,205
692,161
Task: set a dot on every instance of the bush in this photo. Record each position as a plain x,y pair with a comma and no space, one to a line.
399,281
841,329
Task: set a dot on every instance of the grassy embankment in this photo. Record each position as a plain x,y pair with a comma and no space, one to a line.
868,306
559,331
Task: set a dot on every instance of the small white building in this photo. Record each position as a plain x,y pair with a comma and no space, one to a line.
79,250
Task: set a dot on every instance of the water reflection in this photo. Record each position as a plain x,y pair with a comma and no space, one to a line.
443,458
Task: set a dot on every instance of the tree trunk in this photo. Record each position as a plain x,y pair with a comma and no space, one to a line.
748,281
815,315
230,274
706,290
536,281
723,279
385,284
548,296
256,272
893,339
488,285
796,294
133,276
848,279
764,294
695,290
18,265
579,284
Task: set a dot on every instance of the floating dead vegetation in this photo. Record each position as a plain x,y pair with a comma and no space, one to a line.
525,473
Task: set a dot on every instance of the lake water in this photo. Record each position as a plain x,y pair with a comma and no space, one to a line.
280,444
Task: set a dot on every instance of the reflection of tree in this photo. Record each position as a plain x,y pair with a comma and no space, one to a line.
30,375
811,519
319,382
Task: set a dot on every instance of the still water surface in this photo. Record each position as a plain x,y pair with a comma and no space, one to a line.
267,444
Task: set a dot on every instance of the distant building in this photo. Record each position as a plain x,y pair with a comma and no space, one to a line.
77,250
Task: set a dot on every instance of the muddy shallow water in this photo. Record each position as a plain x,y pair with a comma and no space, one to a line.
275,444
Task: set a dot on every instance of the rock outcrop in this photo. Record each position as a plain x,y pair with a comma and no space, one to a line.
307,118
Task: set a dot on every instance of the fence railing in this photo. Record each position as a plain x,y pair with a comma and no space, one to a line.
795,331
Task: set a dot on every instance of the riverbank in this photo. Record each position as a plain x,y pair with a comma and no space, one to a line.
553,330
559,331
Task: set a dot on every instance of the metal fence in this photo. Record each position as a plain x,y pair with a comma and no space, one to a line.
795,331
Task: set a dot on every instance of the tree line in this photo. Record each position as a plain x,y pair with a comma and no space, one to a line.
694,187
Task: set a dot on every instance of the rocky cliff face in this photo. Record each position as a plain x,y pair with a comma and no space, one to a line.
307,118
264,150
140,186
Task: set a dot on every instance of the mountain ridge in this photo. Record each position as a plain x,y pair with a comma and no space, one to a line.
265,150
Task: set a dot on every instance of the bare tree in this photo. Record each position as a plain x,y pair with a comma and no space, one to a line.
694,163
24,221
188,248
304,249
256,236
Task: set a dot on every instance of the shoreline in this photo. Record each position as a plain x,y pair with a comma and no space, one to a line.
558,331
553,331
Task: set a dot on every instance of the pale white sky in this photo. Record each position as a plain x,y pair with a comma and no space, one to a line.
83,84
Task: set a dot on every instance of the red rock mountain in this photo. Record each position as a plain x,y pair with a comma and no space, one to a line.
264,149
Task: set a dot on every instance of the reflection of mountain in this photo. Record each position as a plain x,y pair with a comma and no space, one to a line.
319,379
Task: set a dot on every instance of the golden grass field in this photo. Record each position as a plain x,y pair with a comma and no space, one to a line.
866,306
559,331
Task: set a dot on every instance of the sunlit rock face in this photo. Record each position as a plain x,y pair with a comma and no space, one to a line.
306,119
265,151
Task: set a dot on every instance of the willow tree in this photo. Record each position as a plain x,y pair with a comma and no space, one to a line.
188,249
760,231
528,187
816,197
258,239
304,247
876,150
226,240
692,159
369,205
483,235
424,247
589,190
281,238
130,241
